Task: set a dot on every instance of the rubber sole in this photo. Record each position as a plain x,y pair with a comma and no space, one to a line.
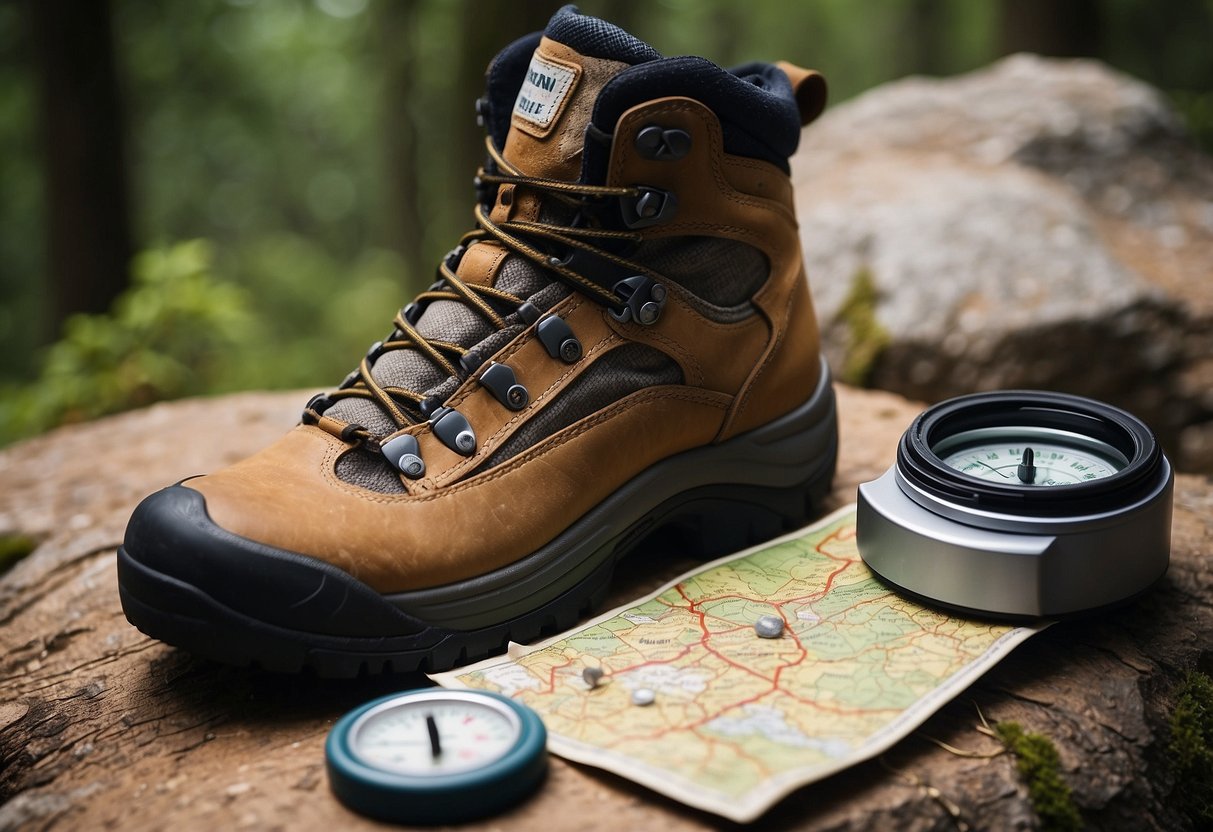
789,471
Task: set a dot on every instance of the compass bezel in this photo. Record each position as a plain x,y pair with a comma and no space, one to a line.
922,466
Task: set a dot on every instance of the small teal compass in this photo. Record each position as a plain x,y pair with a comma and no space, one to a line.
436,756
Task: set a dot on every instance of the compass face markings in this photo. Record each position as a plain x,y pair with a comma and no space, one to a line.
435,756
1056,464
472,736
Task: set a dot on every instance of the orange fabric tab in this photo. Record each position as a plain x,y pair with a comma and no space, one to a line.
809,87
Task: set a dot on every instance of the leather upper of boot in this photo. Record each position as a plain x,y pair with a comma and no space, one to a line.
734,346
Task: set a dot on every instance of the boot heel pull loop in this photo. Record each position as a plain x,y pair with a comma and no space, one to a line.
809,88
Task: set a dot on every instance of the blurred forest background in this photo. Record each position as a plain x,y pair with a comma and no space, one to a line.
214,195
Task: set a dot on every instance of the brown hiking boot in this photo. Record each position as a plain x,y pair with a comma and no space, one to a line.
626,341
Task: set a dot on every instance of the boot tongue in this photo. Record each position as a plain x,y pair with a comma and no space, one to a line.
576,58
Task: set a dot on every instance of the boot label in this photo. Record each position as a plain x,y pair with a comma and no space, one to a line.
544,91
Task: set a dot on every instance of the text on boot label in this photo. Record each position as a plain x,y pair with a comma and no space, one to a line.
543,91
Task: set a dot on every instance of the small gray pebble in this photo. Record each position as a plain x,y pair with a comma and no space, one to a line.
769,626
592,676
643,696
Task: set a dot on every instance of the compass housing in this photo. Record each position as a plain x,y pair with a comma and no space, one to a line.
1010,548
452,794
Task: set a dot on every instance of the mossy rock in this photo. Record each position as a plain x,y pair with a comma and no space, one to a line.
1038,763
1191,748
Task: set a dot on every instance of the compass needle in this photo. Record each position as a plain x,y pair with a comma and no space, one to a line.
431,725
992,468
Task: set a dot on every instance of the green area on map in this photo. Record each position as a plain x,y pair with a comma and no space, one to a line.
735,713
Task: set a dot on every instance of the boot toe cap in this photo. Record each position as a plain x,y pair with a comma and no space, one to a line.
172,537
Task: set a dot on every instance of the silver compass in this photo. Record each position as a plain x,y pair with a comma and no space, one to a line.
1021,503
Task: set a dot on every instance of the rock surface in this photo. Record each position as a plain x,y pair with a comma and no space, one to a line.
101,727
1040,223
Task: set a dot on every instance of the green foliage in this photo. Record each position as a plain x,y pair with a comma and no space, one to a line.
1191,748
856,44
21,203
866,338
298,318
254,118
1197,111
315,314
1040,767
162,339
14,547
299,137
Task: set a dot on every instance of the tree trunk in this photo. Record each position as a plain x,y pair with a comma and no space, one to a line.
394,24
88,233
923,50
1069,29
433,144
101,727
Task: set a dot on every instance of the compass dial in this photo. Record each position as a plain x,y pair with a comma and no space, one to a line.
467,733
436,756
1030,456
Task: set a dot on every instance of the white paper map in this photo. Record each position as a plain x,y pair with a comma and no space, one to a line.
740,721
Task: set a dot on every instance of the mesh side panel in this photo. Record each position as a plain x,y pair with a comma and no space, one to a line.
452,320
398,368
362,412
412,370
402,368
443,320
619,373
549,296
520,277
369,471
722,272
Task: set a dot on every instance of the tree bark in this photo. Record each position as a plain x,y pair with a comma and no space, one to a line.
432,142
923,50
1070,29
394,23
88,231
101,727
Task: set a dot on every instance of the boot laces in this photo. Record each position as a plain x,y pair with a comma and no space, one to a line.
522,237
